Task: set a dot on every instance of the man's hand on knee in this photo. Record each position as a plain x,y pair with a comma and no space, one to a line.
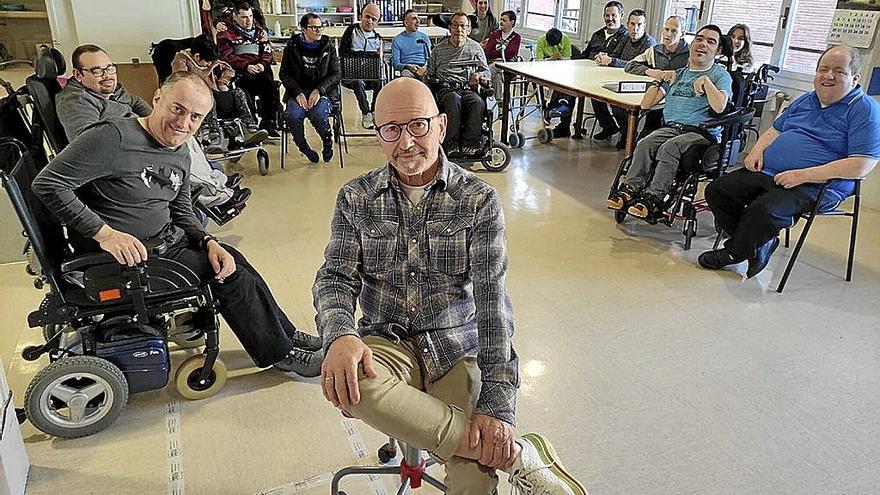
495,441
221,261
126,248
339,379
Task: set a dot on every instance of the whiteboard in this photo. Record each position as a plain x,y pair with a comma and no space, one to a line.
125,28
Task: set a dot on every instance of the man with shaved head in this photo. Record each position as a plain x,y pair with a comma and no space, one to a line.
361,37
420,243
124,183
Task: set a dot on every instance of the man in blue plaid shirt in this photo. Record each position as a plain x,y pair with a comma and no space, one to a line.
421,244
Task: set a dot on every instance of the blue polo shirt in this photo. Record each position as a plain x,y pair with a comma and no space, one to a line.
810,135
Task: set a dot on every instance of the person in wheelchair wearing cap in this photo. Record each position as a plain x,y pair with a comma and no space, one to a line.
124,183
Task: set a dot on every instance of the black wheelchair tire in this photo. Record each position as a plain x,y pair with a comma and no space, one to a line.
38,401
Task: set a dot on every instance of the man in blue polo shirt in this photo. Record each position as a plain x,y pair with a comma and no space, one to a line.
691,93
830,133
410,49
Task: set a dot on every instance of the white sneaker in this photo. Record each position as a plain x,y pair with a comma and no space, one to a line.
367,121
537,470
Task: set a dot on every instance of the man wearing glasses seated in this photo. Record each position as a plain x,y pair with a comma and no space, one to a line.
420,243
94,93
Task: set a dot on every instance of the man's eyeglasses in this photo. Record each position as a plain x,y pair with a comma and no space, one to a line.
99,71
315,28
417,127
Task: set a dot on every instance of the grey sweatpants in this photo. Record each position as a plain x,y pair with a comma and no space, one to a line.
656,158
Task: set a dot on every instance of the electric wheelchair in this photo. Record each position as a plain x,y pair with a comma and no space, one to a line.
704,163
106,326
494,155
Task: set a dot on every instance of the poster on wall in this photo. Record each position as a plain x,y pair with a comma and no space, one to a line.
854,23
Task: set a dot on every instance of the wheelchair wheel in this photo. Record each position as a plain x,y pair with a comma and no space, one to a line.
499,158
263,162
619,216
76,397
522,139
513,140
545,136
186,379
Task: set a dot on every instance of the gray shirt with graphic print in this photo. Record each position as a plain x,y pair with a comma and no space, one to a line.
115,173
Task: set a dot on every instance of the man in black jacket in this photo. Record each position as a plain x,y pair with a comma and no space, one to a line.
635,43
605,41
362,37
310,74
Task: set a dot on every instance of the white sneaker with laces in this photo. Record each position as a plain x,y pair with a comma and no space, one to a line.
367,121
537,470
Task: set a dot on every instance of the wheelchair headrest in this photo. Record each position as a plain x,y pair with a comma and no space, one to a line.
49,63
163,52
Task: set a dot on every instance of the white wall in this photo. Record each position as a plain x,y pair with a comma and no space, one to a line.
125,28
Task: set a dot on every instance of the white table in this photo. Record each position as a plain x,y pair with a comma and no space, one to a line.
581,78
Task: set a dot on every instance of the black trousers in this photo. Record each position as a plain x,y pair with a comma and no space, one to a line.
246,304
262,85
464,112
752,209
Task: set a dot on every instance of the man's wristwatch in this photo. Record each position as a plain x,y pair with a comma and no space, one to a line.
657,84
208,238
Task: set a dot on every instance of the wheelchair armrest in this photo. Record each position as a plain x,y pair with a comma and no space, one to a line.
154,248
740,116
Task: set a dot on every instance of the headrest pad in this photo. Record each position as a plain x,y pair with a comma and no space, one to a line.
49,63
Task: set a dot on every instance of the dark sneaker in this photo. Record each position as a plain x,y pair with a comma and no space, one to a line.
762,257
560,111
239,198
271,130
623,196
561,131
471,152
311,154
605,134
538,471
648,206
717,259
327,153
232,181
452,151
309,342
306,364
253,138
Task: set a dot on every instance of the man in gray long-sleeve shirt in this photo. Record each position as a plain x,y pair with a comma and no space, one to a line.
455,68
125,182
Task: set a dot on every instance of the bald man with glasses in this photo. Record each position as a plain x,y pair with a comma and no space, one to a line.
419,243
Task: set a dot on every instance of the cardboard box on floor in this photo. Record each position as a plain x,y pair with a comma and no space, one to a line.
14,462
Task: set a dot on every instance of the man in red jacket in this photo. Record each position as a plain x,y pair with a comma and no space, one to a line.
502,45
245,46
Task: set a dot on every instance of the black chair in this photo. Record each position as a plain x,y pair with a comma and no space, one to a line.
337,127
360,66
99,314
811,216
42,87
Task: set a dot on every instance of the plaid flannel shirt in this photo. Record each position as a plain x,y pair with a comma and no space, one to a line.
433,274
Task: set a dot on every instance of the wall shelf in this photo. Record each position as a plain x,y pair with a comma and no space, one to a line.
24,14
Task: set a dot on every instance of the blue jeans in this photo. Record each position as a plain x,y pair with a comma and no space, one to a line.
319,117
360,89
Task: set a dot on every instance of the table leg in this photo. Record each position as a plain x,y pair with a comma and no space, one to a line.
631,130
505,110
579,122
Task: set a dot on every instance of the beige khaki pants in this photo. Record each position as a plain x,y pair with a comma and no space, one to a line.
431,417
